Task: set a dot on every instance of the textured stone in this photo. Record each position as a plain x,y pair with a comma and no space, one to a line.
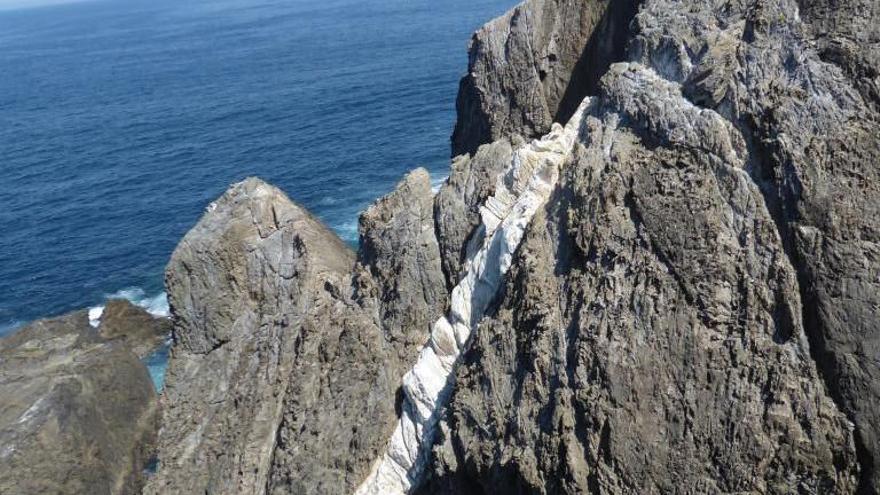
288,351
810,124
133,326
519,192
694,310
78,413
650,336
457,205
533,66
398,246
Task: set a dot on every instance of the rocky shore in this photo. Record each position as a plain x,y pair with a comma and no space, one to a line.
654,268
78,411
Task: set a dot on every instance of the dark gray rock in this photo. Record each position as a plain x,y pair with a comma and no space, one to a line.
649,338
705,278
693,311
810,122
78,413
399,248
533,66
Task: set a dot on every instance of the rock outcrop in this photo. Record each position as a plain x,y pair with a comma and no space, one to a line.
133,326
649,337
399,247
470,183
704,281
288,351
532,67
78,413
653,269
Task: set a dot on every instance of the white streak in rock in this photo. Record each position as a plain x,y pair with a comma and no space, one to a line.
519,193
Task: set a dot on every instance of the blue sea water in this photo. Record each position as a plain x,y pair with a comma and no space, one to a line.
121,119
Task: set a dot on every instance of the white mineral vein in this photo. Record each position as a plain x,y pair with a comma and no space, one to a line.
519,192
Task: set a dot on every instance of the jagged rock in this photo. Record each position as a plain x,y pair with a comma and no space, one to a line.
810,122
78,413
457,205
649,339
133,326
399,247
533,66
692,310
847,34
720,214
283,376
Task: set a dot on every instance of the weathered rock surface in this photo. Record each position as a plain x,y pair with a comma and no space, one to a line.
137,329
812,134
649,337
287,354
533,66
705,280
399,247
78,413
470,183
679,294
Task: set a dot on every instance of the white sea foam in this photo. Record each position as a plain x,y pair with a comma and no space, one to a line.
347,231
156,305
95,314
519,193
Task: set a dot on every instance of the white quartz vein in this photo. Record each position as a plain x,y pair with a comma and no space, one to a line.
519,192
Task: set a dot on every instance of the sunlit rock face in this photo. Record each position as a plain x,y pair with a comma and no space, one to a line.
653,269
519,192
631,313
289,348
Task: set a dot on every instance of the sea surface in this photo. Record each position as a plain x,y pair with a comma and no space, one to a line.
120,120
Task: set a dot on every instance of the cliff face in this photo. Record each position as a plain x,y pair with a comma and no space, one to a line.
703,280
654,268
288,354
532,67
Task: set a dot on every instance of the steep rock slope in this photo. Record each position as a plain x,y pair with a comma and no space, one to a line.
649,336
720,213
533,66
676,292
286,358
78,413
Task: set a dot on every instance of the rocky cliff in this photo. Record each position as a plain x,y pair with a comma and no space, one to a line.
654,268
289,348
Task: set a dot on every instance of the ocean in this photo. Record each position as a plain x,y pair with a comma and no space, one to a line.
121,120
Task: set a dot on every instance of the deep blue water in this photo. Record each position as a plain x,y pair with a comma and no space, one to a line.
121,119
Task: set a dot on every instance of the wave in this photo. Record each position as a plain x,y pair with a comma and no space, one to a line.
437,182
